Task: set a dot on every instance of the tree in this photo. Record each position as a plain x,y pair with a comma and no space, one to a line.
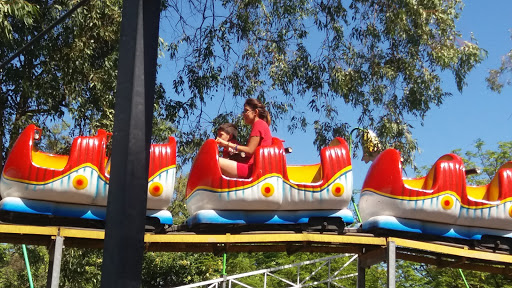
69,73
16,9
71,70
489,161
497,77
311,60
449,277
13,272
308,60
81,267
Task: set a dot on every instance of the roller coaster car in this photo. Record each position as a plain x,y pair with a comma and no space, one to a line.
275,193
440,203
76,186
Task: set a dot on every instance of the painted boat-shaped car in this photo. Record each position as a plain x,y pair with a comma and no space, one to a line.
275,193
76,185
440,203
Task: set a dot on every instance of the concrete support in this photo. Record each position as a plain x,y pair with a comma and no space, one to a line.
55,261
391,260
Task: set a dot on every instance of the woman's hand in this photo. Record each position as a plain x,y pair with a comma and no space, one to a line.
222,143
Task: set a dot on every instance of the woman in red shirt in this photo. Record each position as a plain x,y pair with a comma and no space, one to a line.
256,115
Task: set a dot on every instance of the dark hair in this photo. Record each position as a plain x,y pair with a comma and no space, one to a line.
229,128
256,104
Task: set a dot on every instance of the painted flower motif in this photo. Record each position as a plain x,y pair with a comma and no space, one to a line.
447,202
80,182
267,189
156,189
337,189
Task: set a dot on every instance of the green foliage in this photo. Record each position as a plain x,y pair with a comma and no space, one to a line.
174,269
311,60
178,208
15,10
497,78
55,139
449,277
72,70
13,273
489,161
246,262
81,268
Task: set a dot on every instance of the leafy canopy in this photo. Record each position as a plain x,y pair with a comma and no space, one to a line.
500,76
489,161
312,60
309,61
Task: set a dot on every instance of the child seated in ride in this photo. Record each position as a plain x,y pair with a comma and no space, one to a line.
256,115
228,133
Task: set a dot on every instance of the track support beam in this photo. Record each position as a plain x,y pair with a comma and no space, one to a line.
391,260
55,261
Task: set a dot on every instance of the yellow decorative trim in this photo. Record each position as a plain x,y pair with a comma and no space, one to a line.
59,177
161,171
447,192
74,170
412,198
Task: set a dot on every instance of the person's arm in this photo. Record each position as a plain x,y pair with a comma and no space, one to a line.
250,148
253,143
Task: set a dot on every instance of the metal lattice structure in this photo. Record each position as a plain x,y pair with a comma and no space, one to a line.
334,272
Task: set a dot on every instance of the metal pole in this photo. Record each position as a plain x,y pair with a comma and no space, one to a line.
463,278
27,265
224,269
355,206
361,273
224,264
127,198
330,280
391,259
298,275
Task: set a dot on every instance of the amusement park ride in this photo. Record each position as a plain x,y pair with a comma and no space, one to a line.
307,197
308,201
436,219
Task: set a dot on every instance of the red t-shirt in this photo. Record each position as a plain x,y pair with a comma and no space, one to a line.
260,129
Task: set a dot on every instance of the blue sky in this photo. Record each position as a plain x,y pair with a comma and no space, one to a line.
463,118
